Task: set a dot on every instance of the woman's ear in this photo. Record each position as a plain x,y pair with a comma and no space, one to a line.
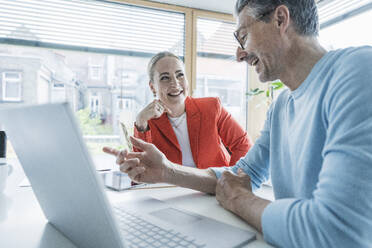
151,84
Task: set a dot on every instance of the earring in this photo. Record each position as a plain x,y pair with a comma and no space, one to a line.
154,94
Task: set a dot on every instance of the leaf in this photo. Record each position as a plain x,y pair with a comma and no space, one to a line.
277,85
254,92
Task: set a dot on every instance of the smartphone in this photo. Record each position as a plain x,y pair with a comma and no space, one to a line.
116,180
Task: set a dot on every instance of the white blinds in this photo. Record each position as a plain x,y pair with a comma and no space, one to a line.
332,10
215,38
92,24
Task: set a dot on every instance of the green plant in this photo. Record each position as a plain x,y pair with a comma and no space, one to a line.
272,86
92,125
269,92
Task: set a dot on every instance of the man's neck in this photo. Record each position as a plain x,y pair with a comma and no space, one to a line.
302,56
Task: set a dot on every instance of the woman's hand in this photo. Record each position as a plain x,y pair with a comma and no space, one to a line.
154,110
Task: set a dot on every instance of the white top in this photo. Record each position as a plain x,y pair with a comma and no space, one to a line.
179,125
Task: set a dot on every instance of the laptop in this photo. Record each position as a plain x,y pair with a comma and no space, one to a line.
51,150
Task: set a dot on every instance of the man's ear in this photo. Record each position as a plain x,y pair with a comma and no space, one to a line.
282,18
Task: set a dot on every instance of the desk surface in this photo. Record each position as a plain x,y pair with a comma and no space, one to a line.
23,225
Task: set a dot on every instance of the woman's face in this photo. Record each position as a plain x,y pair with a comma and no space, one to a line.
170,82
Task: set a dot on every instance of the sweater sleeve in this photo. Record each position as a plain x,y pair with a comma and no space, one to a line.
256,162
232,135
340,212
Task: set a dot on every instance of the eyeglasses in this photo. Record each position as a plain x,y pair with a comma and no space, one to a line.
259,18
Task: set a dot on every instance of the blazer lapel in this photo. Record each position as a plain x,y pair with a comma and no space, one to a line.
193,126
165,128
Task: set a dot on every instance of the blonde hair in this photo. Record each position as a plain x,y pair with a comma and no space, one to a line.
155,59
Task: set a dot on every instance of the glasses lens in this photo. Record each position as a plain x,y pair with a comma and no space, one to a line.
237,38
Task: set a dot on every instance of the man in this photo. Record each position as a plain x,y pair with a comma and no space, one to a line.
316,141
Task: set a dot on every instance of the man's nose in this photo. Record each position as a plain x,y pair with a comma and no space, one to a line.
240,54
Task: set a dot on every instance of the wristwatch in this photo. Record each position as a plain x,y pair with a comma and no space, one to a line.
140,129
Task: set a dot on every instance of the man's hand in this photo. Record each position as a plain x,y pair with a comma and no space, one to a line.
234,192
231,187
147,166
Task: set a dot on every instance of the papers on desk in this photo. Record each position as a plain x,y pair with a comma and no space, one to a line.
152,186
118,182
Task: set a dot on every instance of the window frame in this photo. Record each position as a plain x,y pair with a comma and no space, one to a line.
6,80
96,109
250,71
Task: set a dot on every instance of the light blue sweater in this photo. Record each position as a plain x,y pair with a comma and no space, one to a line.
317,145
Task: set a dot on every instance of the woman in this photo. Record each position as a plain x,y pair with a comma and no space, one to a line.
189,131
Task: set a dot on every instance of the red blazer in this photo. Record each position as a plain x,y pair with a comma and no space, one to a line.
211,128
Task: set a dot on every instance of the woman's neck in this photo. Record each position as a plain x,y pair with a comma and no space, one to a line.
177,109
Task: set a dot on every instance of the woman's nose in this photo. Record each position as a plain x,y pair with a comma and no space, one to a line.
174,79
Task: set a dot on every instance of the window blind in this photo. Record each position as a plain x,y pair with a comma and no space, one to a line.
91,24
333,11
215,38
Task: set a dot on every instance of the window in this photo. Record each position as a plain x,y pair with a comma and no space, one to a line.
343,23
344,34
95,105
95,72
128,78
217,72
124,104
89,53
11,86
58,93
63,50
58,86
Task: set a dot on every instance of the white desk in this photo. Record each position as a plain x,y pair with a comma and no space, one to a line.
23,225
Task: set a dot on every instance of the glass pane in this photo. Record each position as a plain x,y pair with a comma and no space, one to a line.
104,76
61,75
329,10
12,90
93,24
345,33
218,74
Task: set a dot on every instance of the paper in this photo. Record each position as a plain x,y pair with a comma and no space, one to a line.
126,136
152,186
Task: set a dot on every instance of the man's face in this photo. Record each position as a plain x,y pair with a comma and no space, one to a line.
260,41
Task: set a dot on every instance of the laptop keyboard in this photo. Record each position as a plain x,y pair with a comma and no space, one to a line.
139,233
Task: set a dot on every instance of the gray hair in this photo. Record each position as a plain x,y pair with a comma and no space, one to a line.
155,59
304,13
